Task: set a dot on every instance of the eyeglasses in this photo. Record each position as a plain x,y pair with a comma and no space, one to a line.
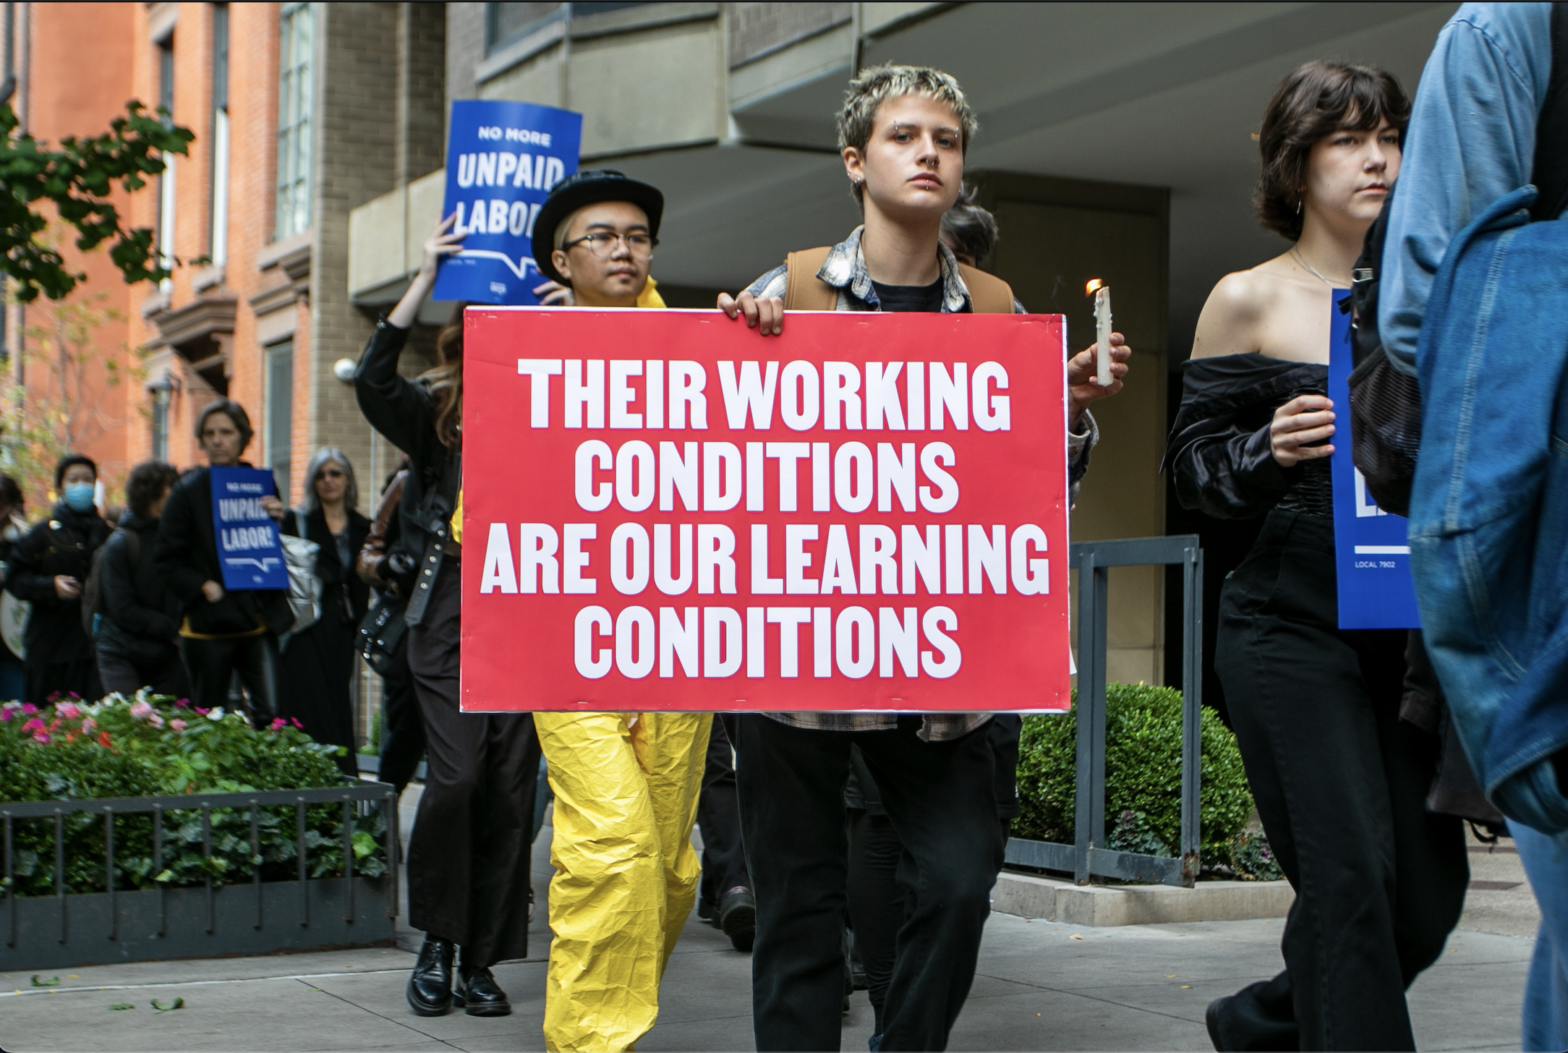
602,243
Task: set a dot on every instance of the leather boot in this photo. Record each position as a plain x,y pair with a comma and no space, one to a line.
430,986
477,993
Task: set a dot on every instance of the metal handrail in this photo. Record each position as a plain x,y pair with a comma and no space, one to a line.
110,807
1088,857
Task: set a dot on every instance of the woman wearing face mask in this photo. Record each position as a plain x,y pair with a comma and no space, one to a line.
1340,782
318,663
13,527
48,567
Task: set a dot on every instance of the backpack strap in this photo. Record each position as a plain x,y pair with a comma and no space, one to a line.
804,291
1550,174
988,294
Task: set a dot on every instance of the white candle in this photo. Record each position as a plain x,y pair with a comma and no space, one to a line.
1102,326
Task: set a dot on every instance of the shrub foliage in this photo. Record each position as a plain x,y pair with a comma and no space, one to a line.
1142,776
152,746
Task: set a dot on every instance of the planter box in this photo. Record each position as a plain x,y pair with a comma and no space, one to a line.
244,918
65,932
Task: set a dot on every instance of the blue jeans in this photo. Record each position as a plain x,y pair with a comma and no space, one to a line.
1545,1024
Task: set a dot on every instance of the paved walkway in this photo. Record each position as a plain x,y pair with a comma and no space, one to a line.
1041,986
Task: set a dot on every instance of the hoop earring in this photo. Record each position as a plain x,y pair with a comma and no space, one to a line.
1298,205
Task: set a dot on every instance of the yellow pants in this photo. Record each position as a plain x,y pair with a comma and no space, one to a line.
626,788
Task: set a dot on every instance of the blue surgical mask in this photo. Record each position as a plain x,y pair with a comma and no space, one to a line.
79,496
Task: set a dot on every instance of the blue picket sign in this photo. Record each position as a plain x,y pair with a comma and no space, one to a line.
1371,546
502,158
248,547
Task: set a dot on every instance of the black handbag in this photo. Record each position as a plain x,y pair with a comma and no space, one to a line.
381,633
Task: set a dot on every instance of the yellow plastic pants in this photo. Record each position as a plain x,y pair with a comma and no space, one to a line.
626,787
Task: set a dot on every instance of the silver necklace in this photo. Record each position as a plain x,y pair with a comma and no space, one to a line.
1296,250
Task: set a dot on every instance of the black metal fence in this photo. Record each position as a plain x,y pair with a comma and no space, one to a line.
65,929
1089,857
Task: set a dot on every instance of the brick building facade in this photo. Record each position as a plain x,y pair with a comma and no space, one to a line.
302,112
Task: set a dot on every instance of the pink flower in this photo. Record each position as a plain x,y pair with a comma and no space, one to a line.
68,710
277,722
203,712
142,710
297,724
33,725
182,703
5,714
155,720
29,708
41,736
89,724
177,724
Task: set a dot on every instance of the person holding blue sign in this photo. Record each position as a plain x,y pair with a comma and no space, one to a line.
1339,780
468,859
228,578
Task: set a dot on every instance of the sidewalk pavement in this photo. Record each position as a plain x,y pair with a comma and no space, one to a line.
1041,985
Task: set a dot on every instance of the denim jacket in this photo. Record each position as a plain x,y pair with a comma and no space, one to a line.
1489,508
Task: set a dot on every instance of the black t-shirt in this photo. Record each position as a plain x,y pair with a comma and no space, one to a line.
910,297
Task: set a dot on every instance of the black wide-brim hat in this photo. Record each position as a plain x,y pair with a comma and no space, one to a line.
589,188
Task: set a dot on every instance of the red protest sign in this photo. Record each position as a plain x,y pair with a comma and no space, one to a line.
663,510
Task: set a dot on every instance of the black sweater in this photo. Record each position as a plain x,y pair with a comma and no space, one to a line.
141,617
187,555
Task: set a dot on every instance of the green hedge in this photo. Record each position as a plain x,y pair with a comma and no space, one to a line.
1142,779
152,746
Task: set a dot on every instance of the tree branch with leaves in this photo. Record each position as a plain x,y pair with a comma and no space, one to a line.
77,177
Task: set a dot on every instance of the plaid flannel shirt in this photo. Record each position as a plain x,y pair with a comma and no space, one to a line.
845,270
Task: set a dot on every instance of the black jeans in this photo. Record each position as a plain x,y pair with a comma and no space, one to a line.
878,904
402,726
718,813
1340,783
468,857
211,665
941,800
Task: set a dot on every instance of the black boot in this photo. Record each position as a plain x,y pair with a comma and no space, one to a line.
430,986
477,993
737,917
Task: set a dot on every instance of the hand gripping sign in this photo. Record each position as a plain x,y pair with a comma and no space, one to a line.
665,511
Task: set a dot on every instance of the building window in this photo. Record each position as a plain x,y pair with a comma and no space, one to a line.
280,413
218,240
296,38
166,180
505,23
160,420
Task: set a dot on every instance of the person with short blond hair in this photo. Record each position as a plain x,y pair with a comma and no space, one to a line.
903,134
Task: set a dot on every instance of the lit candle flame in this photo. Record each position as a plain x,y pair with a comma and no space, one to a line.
1093,287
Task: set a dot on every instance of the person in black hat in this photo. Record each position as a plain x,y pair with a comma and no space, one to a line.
626,784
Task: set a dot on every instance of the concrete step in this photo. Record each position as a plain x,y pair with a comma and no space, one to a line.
1053,899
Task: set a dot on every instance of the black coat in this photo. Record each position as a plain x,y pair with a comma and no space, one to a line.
318,662
405,413
187,555
141,617
62,544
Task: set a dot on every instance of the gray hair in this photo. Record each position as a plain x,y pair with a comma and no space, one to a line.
309,502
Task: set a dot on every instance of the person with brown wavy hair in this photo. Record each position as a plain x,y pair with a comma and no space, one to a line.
1339,780
468,858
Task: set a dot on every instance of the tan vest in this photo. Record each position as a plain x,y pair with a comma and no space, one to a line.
988,294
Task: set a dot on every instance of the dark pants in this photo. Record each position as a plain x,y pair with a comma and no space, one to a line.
77,677
878,904
402,728
468,857
1340,783
940,798
718,813
211,665
122,674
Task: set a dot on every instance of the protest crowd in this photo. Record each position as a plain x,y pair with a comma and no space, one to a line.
1366,750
